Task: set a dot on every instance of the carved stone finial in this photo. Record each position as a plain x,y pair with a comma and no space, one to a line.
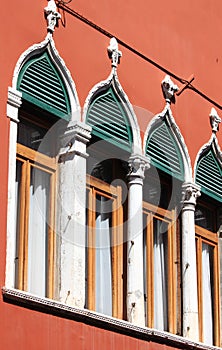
52,16
190,193
113,52
215,120
169,89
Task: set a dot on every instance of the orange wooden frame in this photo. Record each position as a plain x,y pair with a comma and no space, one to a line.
97,187
32,159
152,212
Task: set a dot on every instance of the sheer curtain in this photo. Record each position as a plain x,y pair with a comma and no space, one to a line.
207,301
160,275
37,232
103,258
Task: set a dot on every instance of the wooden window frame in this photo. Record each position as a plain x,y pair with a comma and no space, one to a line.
152,212
98,187
30,158
210,238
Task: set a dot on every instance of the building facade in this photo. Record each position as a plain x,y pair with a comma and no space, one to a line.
112,175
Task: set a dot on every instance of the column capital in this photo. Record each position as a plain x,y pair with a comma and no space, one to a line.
74,139
13,104
190,193
137,166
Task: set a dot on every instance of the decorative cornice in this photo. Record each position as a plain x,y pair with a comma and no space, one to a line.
215,120
114,53
190,193
169,89
51,15
49,306
137,166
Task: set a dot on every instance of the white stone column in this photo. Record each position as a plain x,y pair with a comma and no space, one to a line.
72,213
189,267
13,105
135,276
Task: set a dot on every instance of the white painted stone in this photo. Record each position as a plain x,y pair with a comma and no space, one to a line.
14,102
135,284
71,213
189,267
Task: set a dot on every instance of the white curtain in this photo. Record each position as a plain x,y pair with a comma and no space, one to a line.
103,259
207,294
37,233
160,276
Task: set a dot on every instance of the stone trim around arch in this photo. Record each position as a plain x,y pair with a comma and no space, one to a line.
178,138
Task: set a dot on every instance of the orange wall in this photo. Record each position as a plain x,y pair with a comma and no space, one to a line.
182,36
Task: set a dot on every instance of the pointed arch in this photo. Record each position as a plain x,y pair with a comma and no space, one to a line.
165,146
44,80
108,110
208,169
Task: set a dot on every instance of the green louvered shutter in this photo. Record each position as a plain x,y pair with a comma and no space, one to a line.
41,84
164,153
109,120
209,176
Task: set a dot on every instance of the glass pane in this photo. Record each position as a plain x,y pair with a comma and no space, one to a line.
38,232
103,255
160,275
207,292
204,218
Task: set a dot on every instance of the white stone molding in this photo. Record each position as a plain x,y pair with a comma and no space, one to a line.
178,137
13,104
190,322
215,120
51,15
135,276
114,81
71,213
48,45
169,89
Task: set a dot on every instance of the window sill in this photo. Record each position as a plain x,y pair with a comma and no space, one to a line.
49,306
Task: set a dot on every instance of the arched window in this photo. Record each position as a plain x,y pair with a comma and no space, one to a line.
115,135
208,221
162,196
43,80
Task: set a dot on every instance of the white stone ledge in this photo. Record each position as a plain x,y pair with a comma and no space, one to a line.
49,306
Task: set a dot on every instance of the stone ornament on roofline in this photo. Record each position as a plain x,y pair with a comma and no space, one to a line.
52,16
215,120
114,53
169,89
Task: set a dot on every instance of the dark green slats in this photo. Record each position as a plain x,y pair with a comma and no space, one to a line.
164,152
42,85
109,120
209,176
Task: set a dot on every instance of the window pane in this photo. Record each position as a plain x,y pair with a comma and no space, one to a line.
160,275
207,292
38,231
103,255
204,218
